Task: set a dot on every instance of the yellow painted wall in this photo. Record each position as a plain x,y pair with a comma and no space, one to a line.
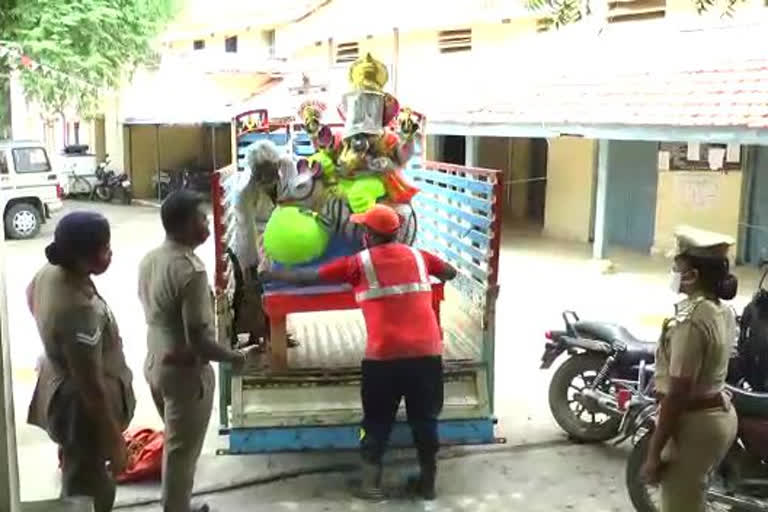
570,188
706,200
239,85
490,35
313,57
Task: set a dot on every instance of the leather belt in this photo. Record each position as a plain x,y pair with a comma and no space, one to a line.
182,360
701,403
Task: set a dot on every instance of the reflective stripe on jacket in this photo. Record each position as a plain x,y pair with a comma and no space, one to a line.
374,289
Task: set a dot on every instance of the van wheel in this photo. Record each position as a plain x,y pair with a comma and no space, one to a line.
22,221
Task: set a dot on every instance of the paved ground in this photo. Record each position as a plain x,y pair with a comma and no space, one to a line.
539,279
536,479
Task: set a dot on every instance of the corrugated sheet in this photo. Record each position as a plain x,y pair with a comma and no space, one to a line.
337,340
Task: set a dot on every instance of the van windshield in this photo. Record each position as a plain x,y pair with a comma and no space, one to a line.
29,160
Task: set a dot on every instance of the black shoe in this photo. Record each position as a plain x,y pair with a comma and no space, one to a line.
423,484
370,483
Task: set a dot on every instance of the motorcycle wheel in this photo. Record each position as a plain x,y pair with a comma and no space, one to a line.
103,193
126,195
162,190
575,374
643,497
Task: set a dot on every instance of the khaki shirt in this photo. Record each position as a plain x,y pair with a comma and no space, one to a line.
72,320
174,290
696,343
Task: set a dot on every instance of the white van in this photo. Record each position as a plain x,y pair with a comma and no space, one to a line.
30,192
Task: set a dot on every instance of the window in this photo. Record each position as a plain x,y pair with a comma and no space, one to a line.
455,41
198,44
347,52
635,10
29,160
230,44
3,163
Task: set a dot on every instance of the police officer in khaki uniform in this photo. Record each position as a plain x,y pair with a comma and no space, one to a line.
696,423
174,290
84,397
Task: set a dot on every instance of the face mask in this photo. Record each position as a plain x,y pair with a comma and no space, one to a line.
675,280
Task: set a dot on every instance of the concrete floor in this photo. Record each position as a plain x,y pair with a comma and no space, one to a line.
539,279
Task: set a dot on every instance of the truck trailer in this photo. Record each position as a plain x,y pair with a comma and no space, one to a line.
308,397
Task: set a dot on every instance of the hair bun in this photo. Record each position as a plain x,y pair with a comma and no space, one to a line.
727,287
53,254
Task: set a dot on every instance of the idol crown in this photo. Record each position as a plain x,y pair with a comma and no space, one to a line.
368,74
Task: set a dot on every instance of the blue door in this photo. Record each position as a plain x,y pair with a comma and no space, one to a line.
757,231
631,194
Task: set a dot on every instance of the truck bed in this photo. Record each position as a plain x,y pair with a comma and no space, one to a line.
336,340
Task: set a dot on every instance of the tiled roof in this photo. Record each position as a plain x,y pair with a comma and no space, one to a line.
730,95
674,80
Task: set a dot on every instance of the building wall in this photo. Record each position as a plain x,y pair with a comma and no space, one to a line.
705,200
570,188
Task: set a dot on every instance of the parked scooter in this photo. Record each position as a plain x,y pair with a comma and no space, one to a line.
584,391
110,185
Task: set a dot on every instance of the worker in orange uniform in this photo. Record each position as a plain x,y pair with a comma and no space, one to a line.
403,355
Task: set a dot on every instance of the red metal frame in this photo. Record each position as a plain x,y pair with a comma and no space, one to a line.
280,305
219,229
263,124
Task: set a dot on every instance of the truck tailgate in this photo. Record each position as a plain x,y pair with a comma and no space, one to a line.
322,385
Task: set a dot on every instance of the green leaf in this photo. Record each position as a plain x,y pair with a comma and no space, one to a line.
92,44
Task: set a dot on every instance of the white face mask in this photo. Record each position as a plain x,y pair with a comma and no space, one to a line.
675,280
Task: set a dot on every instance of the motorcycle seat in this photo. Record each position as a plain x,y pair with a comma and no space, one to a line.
635,350
749,404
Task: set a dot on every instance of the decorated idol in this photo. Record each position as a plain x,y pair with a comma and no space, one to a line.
350,171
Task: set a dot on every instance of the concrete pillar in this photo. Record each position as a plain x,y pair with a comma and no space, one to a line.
601,199
470,151
18,108
9,473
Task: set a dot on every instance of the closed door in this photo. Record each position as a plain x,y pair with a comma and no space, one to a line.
757,230
631,194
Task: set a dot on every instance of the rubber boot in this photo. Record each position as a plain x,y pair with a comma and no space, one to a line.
423,485
370,482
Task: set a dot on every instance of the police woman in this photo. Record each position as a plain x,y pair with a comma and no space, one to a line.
696,423
84,397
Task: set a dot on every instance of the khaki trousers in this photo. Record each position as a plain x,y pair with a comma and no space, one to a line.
184,399
83,470
701,442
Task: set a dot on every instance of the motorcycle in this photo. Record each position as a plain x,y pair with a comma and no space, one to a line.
110,185
739,482
171,181
585,390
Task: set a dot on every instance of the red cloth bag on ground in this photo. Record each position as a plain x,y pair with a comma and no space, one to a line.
145,455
